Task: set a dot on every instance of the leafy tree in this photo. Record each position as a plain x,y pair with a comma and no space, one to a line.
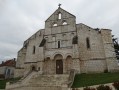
116,46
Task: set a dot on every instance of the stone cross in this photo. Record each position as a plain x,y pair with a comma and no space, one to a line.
59,5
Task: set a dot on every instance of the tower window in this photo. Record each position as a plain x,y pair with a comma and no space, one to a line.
55,24
58,44
59,16
64,23
88,43
34,49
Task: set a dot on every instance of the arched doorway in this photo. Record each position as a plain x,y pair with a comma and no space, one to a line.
33,68
59,67
59,64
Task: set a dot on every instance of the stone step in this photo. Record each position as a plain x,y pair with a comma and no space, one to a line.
49,80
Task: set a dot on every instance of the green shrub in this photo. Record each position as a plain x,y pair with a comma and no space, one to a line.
116,85
103,87
88,88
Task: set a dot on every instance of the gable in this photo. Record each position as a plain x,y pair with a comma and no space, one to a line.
60,18
63,12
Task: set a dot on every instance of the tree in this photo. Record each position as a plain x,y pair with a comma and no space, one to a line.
116,46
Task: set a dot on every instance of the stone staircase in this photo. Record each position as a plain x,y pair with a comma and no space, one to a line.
21,83
34,80
49,80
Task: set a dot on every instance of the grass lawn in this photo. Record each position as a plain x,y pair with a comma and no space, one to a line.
83,80
3,82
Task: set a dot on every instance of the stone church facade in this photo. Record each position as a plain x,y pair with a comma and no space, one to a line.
63,46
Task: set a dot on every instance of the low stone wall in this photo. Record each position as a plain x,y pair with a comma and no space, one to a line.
39,88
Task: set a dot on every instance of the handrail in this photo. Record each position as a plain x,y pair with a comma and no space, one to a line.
27,74
71,77
22,78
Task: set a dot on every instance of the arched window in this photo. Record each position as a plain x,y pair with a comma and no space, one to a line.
58,44
88,43
64,23
55,24
34,49
75,40
59,16
33,68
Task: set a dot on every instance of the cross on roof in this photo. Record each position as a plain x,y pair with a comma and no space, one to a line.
59,5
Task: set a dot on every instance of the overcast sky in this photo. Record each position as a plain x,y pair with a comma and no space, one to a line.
19,19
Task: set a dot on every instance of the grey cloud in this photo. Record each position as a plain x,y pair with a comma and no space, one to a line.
19,19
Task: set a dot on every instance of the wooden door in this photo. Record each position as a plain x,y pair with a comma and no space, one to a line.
59,67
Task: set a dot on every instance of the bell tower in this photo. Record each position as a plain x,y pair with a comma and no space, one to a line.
60,21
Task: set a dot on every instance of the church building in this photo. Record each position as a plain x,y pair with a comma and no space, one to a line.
64,46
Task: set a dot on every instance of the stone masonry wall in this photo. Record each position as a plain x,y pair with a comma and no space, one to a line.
109,50
91,59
